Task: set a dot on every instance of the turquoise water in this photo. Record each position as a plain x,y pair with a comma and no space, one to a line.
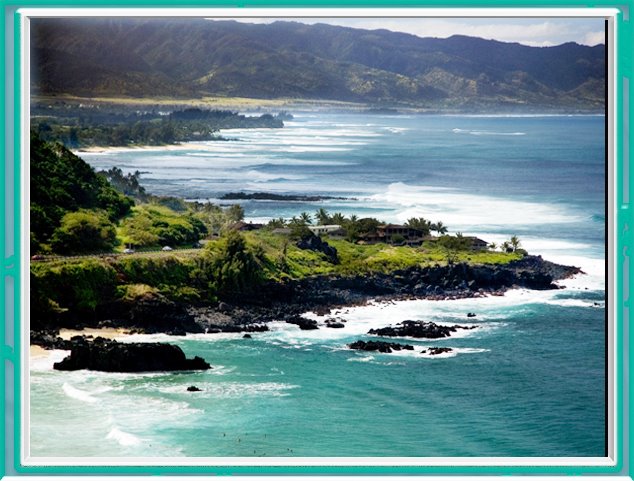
529,381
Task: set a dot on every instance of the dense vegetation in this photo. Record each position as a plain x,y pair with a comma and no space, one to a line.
194,57
77,211
74,210
88,126
231,266
68,196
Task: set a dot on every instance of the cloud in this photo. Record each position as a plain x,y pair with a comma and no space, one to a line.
594,38
536,32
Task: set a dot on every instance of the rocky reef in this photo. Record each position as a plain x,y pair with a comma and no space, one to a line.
112,356
418,329
380,346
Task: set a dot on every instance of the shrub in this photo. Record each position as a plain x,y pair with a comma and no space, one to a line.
84,231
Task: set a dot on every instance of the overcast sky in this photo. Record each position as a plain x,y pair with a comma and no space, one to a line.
538,32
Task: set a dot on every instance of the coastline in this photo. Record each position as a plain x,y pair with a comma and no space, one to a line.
290,301
189,145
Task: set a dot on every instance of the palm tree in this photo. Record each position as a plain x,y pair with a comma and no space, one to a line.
278,223
338,218
439,227
322,216
306,218
420,224
506,246
354,218
515,243
493,246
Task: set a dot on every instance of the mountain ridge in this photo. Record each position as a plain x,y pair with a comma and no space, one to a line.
196,57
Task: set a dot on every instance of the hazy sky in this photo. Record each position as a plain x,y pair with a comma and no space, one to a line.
540,32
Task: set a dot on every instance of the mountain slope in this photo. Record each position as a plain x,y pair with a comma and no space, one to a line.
185,57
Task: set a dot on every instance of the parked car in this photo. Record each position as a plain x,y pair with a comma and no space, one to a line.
167,248
128,251
196,245
37,257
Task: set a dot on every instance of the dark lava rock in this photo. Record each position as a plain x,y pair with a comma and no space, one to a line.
224,307
177,331
335,325
49,339
244,328
246,336
303,323
418,329
434,351
112,356
315,243
380,346
471,314
194,389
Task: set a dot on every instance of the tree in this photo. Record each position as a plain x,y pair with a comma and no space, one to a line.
493,246
439,227
234,213
138,231
420,224
278,223
234,269
515,243
84,231
452,245
306,218
337,218
299,228
322,216
506,246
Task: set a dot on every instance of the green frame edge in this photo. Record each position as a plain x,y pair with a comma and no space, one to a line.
12,256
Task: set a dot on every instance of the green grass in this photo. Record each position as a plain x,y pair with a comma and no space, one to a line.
358,259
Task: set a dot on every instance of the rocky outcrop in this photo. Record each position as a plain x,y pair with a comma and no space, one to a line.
315,243
303,323
112,356
434,351
418,329
380,346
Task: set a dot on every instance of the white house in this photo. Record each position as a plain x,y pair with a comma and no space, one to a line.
324,229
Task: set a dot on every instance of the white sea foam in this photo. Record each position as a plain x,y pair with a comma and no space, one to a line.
230,390
416,353
123,438
486,132
45,361
462,210
78,394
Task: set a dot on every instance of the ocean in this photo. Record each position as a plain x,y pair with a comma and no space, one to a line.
529,381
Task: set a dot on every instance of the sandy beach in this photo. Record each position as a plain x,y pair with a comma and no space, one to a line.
105,332
140,148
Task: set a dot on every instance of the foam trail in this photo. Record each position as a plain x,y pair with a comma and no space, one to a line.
461,209
123,438
486,132
78,394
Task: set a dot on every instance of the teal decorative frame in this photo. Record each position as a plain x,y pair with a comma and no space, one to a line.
13,257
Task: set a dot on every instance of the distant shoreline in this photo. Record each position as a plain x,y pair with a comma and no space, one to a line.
260,106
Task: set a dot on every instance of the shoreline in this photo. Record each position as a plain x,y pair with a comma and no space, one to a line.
290,301
188,145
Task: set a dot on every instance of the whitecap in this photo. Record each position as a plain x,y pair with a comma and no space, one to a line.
78,394
463,210
123,438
